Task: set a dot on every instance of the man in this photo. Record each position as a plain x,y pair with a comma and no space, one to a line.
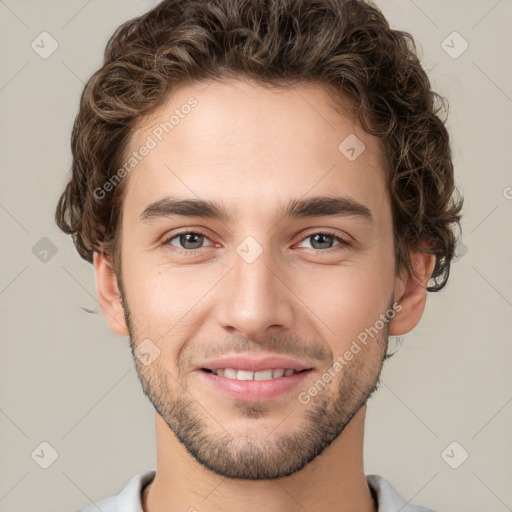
265,190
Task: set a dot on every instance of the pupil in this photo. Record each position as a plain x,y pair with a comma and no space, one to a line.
186,238
321,236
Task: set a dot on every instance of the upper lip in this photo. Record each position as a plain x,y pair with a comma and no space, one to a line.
255,363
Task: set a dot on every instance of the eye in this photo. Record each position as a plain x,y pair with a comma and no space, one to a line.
189,241
322,240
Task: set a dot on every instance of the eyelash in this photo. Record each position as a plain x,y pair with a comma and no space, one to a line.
191,252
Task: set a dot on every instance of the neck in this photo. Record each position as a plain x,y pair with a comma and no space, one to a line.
335,480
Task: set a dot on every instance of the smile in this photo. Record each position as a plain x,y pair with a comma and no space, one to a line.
257,386
233,373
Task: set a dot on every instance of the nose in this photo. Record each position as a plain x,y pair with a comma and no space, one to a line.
255,298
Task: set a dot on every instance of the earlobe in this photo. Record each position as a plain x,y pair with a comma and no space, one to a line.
412,293
108,295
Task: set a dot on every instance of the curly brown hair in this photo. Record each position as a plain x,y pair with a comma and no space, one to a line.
345,45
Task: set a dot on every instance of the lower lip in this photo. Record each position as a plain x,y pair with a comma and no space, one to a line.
254,390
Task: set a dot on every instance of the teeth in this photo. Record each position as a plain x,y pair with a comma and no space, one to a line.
244,375
263,375
231,373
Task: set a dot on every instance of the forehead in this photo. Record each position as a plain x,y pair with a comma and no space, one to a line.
252,147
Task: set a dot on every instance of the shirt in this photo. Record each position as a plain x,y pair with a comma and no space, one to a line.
130,498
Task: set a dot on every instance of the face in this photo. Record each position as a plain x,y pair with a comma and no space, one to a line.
292,274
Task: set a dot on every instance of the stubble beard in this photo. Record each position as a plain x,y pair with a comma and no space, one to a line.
240,456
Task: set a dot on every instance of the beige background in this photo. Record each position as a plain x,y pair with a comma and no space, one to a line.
66,380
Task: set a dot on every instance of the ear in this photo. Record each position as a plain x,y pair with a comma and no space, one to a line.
411,293
108,295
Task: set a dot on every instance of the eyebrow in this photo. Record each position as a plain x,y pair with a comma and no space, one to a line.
297,208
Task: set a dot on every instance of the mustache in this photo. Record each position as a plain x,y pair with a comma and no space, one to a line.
278,345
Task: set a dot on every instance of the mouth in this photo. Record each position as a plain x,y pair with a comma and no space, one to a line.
262,375
254,386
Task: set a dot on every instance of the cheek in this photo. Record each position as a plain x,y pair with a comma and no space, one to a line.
165,302
345,301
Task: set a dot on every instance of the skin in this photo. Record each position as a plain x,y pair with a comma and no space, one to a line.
254,149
